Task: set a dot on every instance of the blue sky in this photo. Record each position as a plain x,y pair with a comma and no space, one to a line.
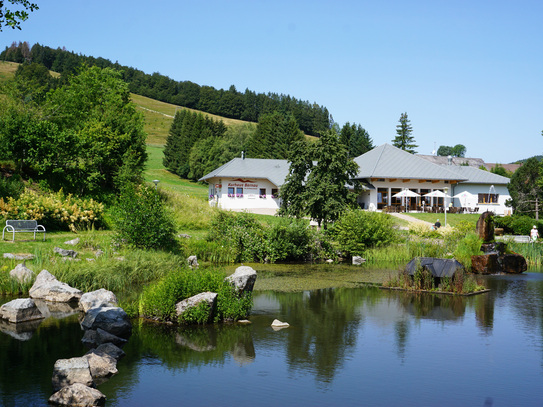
466,72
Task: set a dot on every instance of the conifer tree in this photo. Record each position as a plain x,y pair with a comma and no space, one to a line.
404,140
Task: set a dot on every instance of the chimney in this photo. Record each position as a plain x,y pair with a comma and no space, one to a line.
449,160
243,155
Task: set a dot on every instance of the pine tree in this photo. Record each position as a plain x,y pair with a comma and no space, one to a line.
404,140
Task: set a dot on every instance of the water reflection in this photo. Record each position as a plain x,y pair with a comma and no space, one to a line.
343,346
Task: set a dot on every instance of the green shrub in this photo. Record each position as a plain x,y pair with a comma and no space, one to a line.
158,300
357,230
141,220
11,187
241,232
289,239
517,224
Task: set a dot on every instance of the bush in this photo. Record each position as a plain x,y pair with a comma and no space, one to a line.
289,239
55,211
241,232
11,187
141,221
158,300
517,224
356,230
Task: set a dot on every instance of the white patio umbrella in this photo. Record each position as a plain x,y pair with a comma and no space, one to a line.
406,193
464,195
437,194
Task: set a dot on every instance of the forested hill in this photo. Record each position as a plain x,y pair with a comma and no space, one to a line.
248,105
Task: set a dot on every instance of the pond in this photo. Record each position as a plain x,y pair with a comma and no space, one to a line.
345,346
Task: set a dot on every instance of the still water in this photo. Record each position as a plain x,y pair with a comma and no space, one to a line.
344,346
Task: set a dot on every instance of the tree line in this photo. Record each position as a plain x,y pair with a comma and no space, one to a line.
312,118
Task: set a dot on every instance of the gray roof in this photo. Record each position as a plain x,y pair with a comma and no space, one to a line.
387,161
476,176
273,170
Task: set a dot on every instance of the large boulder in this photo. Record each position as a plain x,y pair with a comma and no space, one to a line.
101,366
209,298
70,371
21,273
111,319
97,299
193,262
485,226
485,264
78,395
358,260
20,310
47,287
514,263
108,349
243,279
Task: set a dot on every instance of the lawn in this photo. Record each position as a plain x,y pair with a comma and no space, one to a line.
453,219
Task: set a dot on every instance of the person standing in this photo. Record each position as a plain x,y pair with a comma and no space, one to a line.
534,234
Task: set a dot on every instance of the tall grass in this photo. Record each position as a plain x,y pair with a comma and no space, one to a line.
533,252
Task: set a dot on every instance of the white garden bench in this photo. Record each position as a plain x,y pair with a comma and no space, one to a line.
30,226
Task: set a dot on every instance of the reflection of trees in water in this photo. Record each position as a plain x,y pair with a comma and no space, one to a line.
324,328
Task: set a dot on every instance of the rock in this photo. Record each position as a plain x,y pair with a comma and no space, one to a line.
243,279
193,262
358,260
96,337
208,297
70,371
111,319
110,350
485,226
279,324
244,322
21,273
65,252
184,236
72,242
19,256
20,310
79,395
485,264
102,366
330,261
98,298
47,287
494,248
99,253
514,263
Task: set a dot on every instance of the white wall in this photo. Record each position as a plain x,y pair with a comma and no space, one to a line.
476,189
251,194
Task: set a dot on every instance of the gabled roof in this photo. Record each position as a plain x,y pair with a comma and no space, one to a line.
273,170
476,176
387,161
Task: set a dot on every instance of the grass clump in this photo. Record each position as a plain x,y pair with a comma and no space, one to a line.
158,300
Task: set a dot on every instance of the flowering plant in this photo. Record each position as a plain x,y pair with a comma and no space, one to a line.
263,196
211,196
275,196
239,195
231,195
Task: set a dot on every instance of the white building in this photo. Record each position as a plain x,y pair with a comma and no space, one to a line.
253,183
247,183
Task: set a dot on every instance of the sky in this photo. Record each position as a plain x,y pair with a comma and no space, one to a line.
465,72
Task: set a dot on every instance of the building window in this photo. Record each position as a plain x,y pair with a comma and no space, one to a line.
231,193
239,192
488,198
262,193
275,193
